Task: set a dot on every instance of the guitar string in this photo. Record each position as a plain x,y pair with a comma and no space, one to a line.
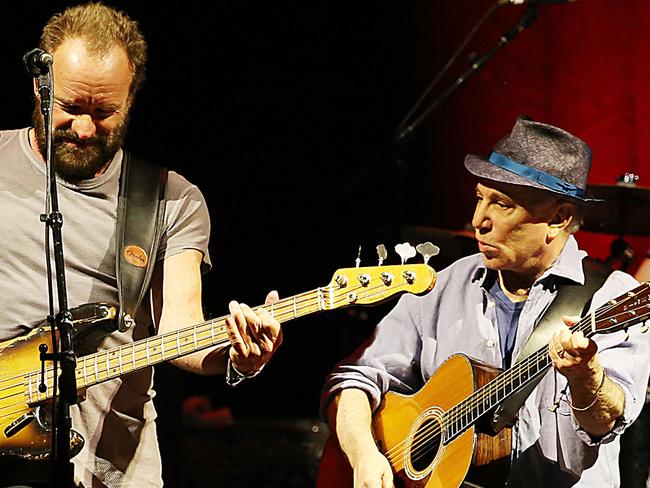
427,434
618,304
204,332
290,303
424,436
317,300
137,348
286,303
339,298
583,325
157,352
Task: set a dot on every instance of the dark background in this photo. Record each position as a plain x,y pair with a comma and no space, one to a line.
283,114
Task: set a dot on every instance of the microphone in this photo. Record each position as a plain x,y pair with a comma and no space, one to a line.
37,61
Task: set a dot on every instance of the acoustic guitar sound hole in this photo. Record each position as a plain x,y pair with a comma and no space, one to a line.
425,444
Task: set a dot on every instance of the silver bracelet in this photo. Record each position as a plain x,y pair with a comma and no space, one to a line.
582,409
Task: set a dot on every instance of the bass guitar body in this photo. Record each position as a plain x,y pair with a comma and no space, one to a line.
24,422
25,427
412,432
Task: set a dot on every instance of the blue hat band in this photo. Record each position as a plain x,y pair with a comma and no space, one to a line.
544,179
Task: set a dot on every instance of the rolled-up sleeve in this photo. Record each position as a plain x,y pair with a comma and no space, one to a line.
625,358
388,361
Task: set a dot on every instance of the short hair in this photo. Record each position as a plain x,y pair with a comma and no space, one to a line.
102,28
541,201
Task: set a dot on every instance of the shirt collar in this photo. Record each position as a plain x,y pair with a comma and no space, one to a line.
567,265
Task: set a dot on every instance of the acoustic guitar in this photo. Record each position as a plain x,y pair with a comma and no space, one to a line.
25,389
431,438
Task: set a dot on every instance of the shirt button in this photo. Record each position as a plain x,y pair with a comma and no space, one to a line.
490,343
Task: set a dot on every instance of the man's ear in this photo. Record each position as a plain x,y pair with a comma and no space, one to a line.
561,219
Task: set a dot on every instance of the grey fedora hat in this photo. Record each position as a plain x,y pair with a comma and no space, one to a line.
540,156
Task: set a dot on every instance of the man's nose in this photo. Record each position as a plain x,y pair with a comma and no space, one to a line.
84,126
480,220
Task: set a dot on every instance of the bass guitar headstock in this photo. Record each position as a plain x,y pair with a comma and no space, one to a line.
375,284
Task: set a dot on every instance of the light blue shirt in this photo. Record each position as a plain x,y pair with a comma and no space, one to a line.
458,316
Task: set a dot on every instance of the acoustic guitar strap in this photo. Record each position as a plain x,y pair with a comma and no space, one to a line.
572,299
140,215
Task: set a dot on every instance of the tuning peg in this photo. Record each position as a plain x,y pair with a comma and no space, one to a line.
364,279
644,327
405,251
627,179
381,253
627,335
427,250
358,260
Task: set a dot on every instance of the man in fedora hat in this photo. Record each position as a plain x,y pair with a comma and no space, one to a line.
528,198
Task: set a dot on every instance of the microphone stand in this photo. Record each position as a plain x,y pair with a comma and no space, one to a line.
404,132
64,388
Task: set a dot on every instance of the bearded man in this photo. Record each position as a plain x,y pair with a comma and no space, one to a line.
99,57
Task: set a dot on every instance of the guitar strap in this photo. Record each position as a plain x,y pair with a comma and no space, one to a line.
140,215
572,299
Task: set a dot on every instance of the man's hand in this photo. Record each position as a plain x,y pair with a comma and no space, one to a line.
372,470
254,336
573,354
596,401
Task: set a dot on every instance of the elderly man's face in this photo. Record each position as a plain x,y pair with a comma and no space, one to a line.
90,112
511,225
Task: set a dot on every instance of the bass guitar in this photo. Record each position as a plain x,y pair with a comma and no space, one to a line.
26,388
431,439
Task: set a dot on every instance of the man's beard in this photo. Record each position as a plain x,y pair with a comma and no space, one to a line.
87,157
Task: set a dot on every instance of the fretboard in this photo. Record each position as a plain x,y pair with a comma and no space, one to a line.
483,400
113,363
617,314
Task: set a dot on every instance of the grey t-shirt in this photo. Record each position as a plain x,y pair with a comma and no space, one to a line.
116,418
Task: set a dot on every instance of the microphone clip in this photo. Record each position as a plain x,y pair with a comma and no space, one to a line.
38,62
